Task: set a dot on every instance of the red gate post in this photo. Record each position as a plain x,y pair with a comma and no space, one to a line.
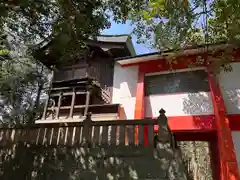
227,156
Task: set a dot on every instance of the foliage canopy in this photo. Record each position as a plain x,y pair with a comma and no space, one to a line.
171,24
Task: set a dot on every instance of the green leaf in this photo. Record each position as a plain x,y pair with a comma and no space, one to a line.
146,14
4,52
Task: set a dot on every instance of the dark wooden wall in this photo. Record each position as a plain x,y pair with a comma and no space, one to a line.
75,71
99,67
102,68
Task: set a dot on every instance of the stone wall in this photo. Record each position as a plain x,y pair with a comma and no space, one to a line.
68,163
39,162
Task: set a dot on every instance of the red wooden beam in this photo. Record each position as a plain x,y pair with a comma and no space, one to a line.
227,158
203,123
186,124
139,105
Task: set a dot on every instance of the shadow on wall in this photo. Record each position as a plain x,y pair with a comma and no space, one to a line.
232,100
22,162
199,104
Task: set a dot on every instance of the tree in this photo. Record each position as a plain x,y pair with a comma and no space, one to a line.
20,79
21,82
72,22
197,158
176,24
27,25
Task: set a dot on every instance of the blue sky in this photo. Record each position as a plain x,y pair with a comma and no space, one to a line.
127,29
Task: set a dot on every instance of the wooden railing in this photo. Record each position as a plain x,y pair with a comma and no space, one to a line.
90,133
54,109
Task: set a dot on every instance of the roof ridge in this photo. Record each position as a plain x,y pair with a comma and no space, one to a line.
114,35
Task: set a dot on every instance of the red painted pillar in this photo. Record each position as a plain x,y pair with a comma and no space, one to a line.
139,105
227,156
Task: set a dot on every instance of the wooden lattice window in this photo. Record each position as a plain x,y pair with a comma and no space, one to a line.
177,82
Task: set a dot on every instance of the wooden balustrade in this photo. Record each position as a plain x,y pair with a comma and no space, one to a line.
51,110
54,109
92,133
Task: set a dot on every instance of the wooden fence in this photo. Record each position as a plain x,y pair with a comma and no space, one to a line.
67,151
92,133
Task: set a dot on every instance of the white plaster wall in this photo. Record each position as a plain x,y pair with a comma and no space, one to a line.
236,142
183,104
230,87
124,88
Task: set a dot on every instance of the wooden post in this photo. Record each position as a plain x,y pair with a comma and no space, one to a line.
139,106
86,130
59,105
46,105
53,108
45,108
73,102
87,103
